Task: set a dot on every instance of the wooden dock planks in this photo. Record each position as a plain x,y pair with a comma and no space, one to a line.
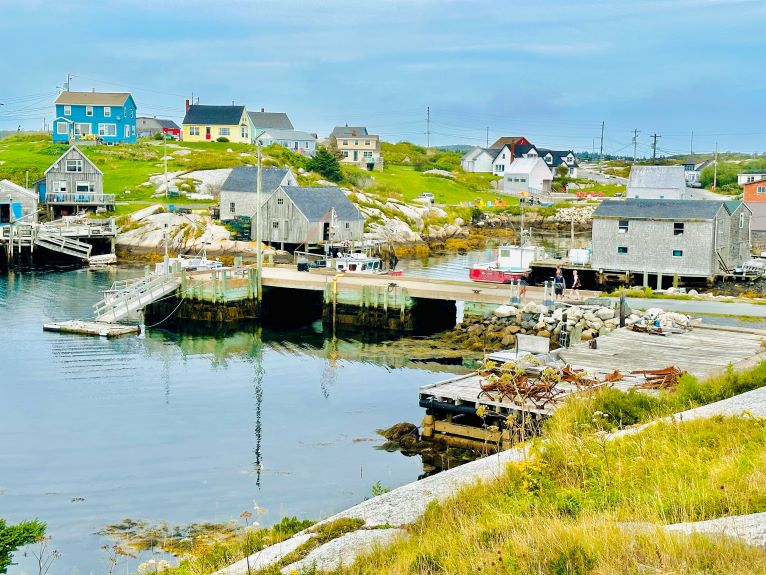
92,328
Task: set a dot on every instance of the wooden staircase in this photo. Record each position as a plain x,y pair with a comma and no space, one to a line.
129,298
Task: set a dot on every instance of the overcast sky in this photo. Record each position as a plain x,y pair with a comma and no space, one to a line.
550,70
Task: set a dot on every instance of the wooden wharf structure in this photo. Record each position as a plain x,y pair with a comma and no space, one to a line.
451,405
20,240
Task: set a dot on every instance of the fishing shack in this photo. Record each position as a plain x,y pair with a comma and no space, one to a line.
16,204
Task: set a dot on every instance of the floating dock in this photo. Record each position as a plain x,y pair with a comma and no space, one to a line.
92,328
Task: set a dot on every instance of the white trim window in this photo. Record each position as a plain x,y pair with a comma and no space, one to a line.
108,130
67,110
127,131
194,130
82,129
85,187
62,128
60,187
244,132
107,111
233,207
224,131
73,166
760,190
89,111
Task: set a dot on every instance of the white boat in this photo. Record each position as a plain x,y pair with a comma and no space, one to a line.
356,262
188,263
511,264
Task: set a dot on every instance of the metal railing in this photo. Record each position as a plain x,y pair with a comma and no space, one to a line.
134,297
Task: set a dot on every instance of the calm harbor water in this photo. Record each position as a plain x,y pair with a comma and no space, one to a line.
183,428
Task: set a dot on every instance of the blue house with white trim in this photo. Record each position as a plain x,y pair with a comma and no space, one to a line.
107,117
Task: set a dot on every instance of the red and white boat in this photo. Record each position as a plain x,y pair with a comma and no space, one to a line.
512,263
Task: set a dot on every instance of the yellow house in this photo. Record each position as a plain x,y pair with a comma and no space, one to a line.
357,147
208,123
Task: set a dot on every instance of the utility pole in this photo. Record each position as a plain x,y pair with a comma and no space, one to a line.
654,146
68,82
259,244
635,143
715,168
488,136
428,127
691,145
601,152
165,158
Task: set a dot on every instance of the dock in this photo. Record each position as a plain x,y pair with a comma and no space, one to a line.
70,238
93,328
452,405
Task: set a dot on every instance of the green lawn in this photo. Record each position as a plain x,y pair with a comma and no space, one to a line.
410,183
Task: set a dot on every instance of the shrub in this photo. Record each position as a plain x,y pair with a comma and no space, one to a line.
220,139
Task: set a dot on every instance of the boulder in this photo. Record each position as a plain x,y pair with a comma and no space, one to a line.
589,316
399,430
544,333
505,311
513,329
508,340
693,292
605,313
587,335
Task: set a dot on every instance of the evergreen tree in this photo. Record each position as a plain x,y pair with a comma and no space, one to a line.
14,536
325,164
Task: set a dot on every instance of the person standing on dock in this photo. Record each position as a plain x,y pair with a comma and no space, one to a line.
559,284
574,291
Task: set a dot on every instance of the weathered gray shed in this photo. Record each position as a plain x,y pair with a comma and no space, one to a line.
74,182
300,215
691,238
17,203
657,182
238,193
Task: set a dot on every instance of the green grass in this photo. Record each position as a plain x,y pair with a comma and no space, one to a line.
406,183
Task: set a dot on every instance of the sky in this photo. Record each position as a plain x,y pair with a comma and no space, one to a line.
551,70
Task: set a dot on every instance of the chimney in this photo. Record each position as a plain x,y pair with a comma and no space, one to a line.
187,105
263,109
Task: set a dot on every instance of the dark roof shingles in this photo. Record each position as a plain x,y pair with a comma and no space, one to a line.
316,203
658,209
218,115
270,120
244,179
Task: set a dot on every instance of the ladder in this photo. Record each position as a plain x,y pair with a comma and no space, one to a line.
120,302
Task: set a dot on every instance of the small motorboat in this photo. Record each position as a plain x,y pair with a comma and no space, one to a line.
512,264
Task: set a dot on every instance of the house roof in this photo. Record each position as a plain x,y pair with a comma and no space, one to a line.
93,98
507,141
289,135
349,131
245,179
65,154
758,182
752,172
216,115
316,203
666,177
526,165
557,155
638,209
8,188
273,120
169,124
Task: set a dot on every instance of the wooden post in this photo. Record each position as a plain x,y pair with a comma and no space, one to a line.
659,280
646,279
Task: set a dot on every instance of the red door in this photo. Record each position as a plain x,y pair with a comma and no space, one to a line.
207,132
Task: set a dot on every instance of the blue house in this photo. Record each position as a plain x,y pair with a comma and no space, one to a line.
99,116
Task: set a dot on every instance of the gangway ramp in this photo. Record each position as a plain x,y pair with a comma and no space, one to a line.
120,303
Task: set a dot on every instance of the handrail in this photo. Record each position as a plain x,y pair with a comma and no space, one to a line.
79,198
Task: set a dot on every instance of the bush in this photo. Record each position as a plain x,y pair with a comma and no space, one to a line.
220,139
326,165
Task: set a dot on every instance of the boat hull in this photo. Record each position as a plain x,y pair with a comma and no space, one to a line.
496,276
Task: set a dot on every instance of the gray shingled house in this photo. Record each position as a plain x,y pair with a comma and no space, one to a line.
656,182
238,193
73,183
300,216
690,238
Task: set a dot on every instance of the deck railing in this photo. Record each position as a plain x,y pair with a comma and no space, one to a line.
83,198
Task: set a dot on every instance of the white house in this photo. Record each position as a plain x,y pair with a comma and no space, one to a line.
555,158
750,177
478,160
525,175
657,183
294,140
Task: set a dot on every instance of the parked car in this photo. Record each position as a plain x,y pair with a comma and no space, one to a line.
427,196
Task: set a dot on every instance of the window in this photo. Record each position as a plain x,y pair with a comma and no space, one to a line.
131,113
194,130
678,228
499,167
523,180
67,110
742,220
243,131
62,127
356,142
73,166
622,226
760,190
81,129
622,250
503,156
367,142
678,253
345,153
224,132
348,225
232,207
133,130
368,155
107,112
60,186
107,130
85,187
345,142
275,225
280,201
127,131
88,110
